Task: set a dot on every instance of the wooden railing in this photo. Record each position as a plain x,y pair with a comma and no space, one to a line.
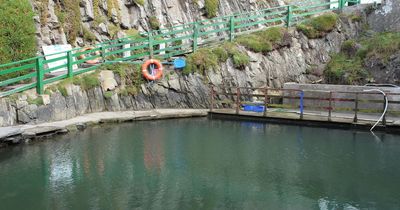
305,100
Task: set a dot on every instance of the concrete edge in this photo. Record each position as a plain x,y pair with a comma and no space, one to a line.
25,133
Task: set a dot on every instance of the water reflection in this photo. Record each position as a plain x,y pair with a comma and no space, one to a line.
200,164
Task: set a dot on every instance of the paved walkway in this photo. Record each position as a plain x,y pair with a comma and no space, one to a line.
76,123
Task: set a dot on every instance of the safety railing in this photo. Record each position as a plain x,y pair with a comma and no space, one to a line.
328,102
164,43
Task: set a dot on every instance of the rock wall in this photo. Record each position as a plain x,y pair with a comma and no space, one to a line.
107,19
302,60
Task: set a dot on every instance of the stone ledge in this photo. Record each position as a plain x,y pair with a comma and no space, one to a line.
18,134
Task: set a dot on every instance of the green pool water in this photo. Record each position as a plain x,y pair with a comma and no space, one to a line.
203,164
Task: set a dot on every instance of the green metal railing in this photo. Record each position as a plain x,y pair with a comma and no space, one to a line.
164,43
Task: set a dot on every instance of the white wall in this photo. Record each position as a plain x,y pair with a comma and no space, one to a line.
362,2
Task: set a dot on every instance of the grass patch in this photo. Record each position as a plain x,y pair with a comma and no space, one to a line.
130,75
17,33
205,59
380,46
108,94
70,14
88,35
139,2
319,26
347,67
37,101
88,81
262,41
211,7
154,23
344,70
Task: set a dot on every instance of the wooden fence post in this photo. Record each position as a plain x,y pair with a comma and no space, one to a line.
266,101
212,98
330,106
356,109
237,100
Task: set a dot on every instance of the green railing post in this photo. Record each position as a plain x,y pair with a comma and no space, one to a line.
341,4
69,64
150,36
289,16
231,28
39,75
103,53
195,36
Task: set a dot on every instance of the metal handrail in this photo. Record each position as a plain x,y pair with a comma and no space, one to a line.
189,33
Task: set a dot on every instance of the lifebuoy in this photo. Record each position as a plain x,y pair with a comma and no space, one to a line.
94,61
156,73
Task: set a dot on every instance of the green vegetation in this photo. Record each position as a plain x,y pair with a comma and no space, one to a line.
87,81
345,70
317,27
113,30
347,67
88,35
139,2
108,94
68,12
37,101
17,33
133,33
206,59
112,4
154,23
130,74
42,7
212,7
262,41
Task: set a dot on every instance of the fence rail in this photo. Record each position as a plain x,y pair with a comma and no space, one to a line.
222,97
164,43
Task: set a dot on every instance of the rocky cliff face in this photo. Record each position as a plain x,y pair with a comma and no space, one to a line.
85,21
300,60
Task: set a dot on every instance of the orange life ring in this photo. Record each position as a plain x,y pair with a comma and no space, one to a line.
94,61
158,70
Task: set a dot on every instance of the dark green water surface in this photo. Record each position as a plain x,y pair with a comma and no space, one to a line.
203,164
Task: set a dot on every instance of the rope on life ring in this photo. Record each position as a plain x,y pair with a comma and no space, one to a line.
156,73
94,61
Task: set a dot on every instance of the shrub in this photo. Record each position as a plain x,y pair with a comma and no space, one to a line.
349,47
212,7
240,60
254,43
221,53
262,41
108,94
317,27
154,23
205,59
17,33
